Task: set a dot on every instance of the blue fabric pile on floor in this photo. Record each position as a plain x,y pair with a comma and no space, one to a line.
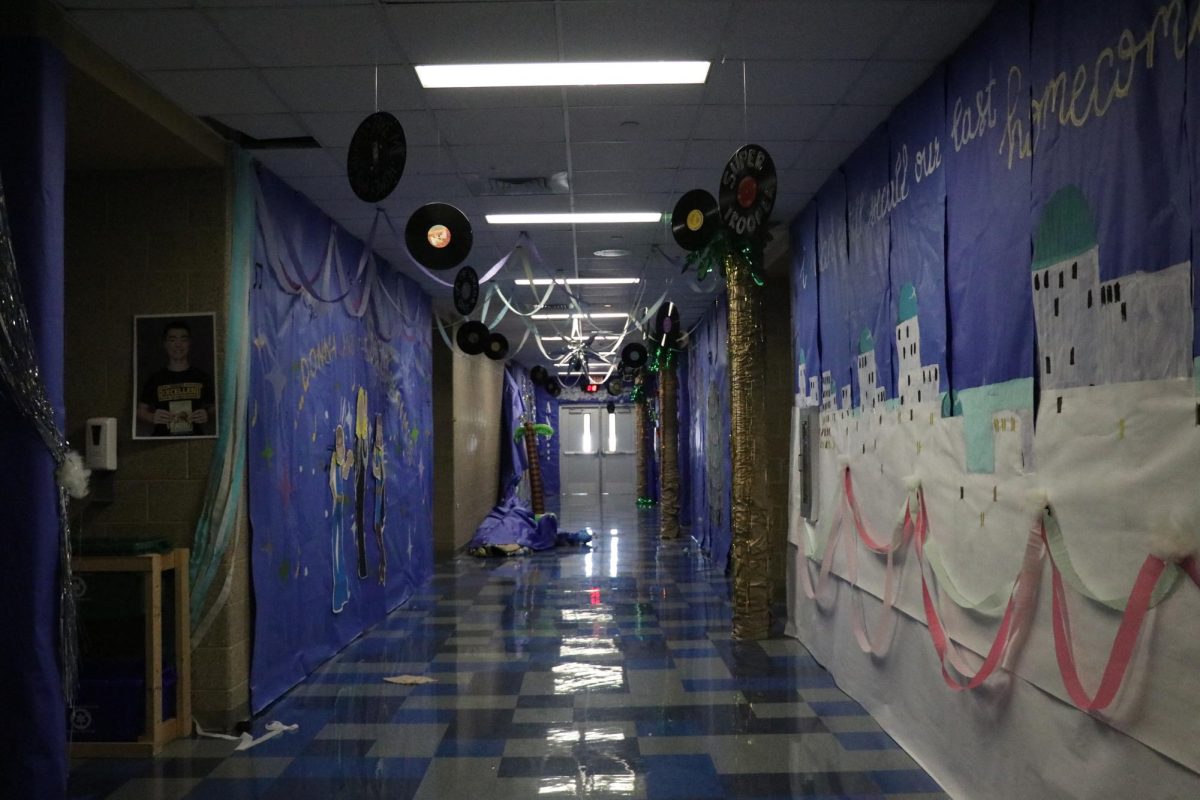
510,529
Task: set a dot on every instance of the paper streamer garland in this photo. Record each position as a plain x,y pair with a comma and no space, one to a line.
21,382
1018,609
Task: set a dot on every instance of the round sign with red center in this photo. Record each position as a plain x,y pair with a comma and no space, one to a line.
747,193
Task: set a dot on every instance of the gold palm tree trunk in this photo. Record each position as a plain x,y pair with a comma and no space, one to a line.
668,462
751,557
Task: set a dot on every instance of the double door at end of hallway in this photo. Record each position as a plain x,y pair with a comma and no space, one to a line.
597,450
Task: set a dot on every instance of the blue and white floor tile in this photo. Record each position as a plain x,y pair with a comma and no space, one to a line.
605,672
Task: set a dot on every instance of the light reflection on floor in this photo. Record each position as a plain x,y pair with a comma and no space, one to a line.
604,672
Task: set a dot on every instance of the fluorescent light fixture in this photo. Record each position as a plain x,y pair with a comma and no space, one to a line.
577,281
582,218
600,337
601,315
613,252
561,73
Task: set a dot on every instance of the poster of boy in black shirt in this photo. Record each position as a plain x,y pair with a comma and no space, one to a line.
177,399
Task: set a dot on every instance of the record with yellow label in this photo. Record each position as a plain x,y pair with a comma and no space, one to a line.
694,220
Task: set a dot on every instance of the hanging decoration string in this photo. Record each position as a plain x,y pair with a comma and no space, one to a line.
21,384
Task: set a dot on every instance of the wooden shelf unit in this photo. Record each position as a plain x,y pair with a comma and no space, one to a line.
156,731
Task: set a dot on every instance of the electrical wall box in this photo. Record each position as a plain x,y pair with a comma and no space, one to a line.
101,449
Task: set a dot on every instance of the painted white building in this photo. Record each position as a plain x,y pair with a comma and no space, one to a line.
870,393
810,389
919,383
1091,332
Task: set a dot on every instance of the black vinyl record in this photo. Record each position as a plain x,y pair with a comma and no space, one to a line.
633,355
747,193
466,291
376,157
666,322
614,386
694,220
553,387
472,337
497,347
611,407
438,235
539,375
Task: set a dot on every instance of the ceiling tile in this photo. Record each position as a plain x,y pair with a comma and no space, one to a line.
626,155
538,159
620,181
500,97
826,156
176,39
474,33
421,160
812,28
934,29
501,125
631,123
852,123
670,95
886,83
716,153
337,129
801,181
629,201
786,83
345,88
307,35
218,91
664,29
760,122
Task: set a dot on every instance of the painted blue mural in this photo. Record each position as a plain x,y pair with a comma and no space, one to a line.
340,441
711,471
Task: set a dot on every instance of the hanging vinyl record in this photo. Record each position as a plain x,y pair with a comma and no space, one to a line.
553,387
694,220
438,235
539,375
496,347
466,291
666,321
614,386
472,337
747,193
376,157
633,355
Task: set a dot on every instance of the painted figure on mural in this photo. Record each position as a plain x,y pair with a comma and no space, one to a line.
362,434
379,472
340,464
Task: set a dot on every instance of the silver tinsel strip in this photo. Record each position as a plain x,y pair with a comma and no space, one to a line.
22,385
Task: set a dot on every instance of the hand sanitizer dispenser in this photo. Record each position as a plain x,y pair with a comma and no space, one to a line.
101,449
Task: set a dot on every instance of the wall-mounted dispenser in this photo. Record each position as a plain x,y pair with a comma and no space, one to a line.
101,446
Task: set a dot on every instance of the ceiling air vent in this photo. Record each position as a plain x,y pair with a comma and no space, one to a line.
491,186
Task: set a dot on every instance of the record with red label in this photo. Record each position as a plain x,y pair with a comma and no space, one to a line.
747,194
472,337
466,291
694,220
496,347
438,235
375,160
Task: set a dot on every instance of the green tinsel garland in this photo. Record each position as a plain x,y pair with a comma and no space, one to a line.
725,245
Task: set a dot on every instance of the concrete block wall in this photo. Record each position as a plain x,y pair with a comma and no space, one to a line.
152,242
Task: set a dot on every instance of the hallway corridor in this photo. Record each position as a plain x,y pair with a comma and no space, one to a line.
605,672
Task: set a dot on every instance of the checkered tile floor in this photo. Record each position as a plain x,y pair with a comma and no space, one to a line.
604,673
